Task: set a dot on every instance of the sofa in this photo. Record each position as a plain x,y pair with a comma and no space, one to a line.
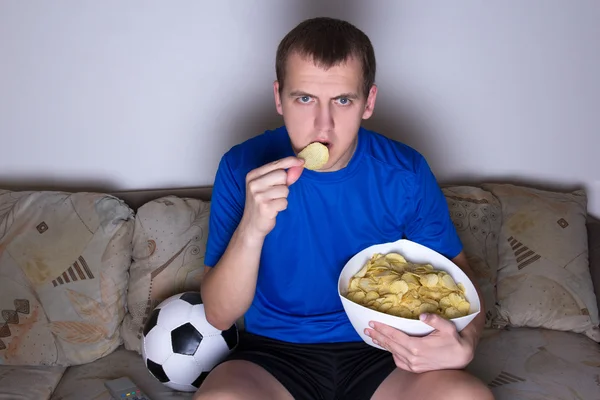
80,272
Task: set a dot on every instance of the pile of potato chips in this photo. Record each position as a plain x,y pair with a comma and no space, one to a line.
390,284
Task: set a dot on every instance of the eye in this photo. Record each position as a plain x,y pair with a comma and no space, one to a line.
304,99
344,101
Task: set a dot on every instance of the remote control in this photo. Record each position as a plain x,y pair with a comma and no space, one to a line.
124,388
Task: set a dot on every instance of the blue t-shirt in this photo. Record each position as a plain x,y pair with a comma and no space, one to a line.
386,192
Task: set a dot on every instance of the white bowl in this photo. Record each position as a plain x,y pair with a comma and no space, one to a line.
360,316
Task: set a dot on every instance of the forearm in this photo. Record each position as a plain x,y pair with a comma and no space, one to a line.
228,288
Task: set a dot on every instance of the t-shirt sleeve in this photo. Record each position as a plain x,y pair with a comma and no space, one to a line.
226,210
430,223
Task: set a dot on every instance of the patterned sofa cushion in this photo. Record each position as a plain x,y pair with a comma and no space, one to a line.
477,216
538,364
28,382
63,275
544,278
168,258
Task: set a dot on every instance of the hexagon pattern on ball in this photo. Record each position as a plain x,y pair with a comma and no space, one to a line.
152,320
179,346
174,315
157,370
210,350
158,354
185,339
185,376
231,337
192,297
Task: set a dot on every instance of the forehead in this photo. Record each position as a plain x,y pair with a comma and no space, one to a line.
303,74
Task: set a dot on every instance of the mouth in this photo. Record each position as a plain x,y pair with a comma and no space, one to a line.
324,142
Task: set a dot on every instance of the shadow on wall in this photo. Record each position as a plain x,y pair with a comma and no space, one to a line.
51,183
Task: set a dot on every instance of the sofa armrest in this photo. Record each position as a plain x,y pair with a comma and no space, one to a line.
594,256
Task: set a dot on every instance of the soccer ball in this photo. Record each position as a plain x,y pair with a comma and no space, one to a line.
179,346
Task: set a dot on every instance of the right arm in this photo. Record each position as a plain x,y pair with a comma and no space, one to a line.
228,288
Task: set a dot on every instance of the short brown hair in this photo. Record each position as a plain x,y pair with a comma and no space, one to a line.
328,42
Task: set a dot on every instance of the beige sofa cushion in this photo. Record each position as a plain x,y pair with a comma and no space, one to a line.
537,364
87,381
544,278
28,382
477,217
168,258
63,272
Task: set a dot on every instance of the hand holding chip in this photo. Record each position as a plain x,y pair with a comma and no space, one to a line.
444,348
267,188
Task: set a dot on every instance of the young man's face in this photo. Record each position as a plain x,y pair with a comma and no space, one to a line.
325,106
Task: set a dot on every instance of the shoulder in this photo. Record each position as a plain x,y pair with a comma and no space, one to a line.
393,154
252,153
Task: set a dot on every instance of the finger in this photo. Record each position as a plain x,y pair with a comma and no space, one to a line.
396,334
262,183
281,164
438,323
278,204
273,192
388,343
293,174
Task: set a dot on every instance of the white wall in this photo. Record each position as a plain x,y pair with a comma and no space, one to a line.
135,95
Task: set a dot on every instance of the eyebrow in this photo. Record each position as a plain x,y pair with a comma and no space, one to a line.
297,93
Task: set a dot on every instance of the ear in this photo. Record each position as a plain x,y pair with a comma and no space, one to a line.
277,96
370,104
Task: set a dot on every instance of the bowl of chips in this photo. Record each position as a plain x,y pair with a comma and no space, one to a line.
393,283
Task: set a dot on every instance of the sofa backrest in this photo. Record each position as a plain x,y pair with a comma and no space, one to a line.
136,199
146,245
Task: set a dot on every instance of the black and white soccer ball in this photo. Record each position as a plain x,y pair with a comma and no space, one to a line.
179,346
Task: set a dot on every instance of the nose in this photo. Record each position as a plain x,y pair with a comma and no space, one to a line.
324,118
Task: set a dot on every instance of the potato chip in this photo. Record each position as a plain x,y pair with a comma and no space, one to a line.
395,257
464,307
315,156
455,299
429,280
399,287
427,308
409,278
390,284
397,266
400,312
452,312
445,302
372,295
448,282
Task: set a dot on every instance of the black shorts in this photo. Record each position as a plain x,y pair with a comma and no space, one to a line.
328,371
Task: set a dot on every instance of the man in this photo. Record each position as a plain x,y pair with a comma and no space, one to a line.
280,234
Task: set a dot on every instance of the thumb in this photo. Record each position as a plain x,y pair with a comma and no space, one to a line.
293,174
439,323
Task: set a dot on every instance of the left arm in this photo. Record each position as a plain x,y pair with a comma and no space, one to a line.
472,332
429,224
